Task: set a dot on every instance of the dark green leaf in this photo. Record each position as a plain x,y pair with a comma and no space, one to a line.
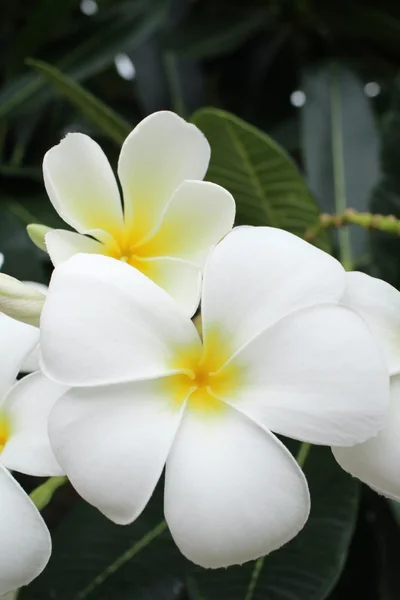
340,146
95,559
308,567
90,53
264,181
96,111
386,196
22,259
209,33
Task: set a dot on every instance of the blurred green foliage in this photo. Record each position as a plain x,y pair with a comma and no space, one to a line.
245,59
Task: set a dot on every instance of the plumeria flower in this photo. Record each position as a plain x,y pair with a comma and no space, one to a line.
377,461
170,218
24,446
278,354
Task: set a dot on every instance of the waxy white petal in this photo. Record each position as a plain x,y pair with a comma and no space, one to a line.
17,341
315,376
257,275
61,245
25,541
379,305
198,216
27,405
233,492
113,442
161,152
180,278
377,461
105,322
81,184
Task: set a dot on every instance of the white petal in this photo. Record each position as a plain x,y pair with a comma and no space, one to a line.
25,540
17,340
31,363
180,278
27,405
81,185
160,153
1,259
379,305
105,322
113,442
61,245
198,216
377,461
316,376
257,275
233,492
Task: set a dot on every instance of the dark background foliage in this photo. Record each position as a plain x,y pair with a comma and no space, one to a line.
321,78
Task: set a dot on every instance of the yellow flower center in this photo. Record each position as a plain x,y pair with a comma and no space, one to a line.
206,381
4,430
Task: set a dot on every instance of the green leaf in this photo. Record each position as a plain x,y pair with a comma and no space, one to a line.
209,32
87,52
91,107
340,144
264,181
308,567
94,559
21,259
385,198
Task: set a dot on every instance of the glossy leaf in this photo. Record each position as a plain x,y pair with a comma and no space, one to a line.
264,181
94,559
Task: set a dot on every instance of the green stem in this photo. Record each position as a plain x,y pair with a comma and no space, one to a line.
303,454
369,221
123,559
301,458
42,495
339,178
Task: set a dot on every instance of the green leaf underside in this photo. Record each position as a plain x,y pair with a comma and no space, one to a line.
264,181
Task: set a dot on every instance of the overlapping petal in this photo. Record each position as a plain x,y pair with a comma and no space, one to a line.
379,305
316,376
257,275
105,322
377,461
61,245
199,215
81,184
25,541
161,152
232,491
113,442
17,341
27,406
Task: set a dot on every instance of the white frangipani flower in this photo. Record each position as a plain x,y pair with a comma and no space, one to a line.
278,354
170,218
377,461
24,446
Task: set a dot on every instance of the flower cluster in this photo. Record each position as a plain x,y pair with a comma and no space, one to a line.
290,345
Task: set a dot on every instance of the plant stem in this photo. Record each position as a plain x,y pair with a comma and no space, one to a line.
387,223
42,495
